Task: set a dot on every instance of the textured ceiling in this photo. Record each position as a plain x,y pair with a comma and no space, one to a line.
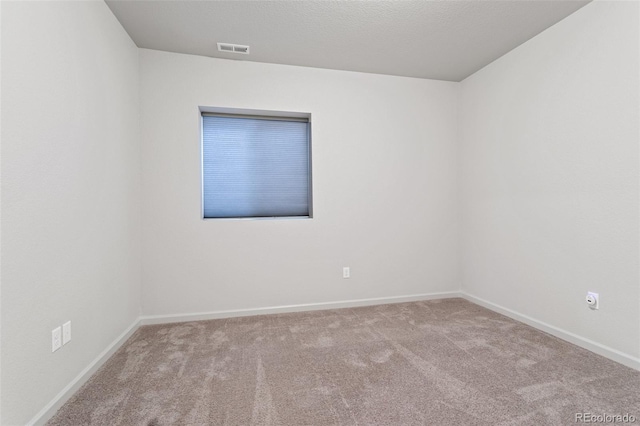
444,40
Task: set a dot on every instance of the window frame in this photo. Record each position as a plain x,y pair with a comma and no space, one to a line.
256,114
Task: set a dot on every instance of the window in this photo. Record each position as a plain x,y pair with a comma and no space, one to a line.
255,166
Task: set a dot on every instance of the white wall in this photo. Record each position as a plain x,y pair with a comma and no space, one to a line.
546,169
384,185
70,194
549,177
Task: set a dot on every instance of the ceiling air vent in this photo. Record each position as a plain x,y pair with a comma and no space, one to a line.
233,48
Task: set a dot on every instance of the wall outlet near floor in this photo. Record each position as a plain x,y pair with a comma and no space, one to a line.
66,332
346,272
56,339
593,300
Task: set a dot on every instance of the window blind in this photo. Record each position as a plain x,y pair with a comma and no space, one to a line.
255,166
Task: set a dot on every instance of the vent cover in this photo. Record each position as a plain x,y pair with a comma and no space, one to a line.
233,48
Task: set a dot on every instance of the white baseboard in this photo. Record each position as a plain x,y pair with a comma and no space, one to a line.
163,319
50,409
58,401
583,342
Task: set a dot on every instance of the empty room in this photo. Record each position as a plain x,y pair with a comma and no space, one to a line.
320,212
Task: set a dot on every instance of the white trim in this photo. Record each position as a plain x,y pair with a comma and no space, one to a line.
163,319
570,337
63,396
50,409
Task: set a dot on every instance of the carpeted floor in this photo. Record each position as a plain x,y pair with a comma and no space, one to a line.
441,362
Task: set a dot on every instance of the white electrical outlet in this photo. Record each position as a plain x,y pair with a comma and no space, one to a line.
346,272
593,300
66,332
56,339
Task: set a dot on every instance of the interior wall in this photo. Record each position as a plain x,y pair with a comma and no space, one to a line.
549,177
545,165
384,189
70,194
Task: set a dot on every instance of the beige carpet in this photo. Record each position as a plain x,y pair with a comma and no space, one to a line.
442,362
